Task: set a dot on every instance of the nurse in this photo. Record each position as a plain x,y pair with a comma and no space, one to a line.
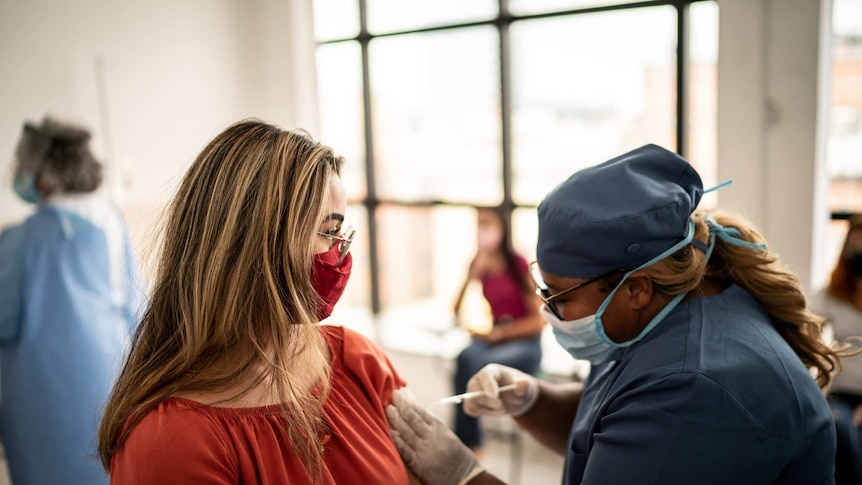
701,344
69,296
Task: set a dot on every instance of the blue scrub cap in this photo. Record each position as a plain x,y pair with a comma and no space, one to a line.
618,214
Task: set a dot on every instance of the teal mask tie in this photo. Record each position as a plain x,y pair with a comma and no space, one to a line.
719,186
730,235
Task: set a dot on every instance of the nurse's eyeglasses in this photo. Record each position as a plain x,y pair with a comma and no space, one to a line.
545,295
344,240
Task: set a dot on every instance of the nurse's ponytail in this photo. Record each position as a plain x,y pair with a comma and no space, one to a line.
764,277
778,290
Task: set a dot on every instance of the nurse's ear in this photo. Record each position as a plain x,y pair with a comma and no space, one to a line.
638,290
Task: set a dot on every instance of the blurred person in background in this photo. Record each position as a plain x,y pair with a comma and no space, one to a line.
708,366
841,303
231,379
70,292
514,339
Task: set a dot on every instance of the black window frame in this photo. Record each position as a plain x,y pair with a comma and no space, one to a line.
504,19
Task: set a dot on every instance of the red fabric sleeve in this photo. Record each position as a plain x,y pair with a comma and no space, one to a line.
371,368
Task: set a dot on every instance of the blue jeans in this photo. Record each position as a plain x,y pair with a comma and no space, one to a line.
522,354
848,453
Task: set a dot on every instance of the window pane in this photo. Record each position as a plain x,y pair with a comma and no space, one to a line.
844,145
436,116
425,253
836,232
844,151
613,91
339,79
703,94
336,19
398,15
525,232
521,7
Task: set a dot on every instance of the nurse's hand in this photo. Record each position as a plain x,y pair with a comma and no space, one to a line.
489,380
426,445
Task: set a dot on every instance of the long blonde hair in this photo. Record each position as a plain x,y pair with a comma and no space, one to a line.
763,276
233,294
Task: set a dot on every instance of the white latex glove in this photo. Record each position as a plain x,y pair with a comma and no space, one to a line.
494,403
426,445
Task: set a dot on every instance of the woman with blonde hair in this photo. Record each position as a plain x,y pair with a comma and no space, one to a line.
701,342
230,379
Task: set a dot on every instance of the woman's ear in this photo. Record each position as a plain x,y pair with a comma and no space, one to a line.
42,185
638,290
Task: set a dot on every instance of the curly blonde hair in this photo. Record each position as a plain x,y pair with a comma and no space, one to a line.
764,277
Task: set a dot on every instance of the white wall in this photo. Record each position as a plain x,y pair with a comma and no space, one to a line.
773,92
154,80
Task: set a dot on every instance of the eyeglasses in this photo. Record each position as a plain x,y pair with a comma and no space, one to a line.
344,241
545,294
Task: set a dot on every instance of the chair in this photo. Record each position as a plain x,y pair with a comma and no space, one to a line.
504,429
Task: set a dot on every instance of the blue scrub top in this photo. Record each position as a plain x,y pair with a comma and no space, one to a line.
713,395
63,334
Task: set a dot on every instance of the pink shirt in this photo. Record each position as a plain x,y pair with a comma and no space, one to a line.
505,294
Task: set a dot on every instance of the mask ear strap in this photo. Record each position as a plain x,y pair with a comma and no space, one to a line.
660,316
697,243
708,249
729,235
719,186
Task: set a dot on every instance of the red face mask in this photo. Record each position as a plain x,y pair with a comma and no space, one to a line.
329,280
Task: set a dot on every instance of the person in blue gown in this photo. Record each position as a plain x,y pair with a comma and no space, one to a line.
707,365
70,293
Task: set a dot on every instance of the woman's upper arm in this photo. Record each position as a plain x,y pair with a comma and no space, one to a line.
370,365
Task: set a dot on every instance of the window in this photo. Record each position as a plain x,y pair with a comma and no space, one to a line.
446,105
844,146
436,104
586,88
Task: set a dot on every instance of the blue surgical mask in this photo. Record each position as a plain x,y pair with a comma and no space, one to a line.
25,186
580,338
585,338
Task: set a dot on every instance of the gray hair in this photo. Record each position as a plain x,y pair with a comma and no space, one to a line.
59,154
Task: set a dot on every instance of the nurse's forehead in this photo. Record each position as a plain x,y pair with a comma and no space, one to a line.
560,282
